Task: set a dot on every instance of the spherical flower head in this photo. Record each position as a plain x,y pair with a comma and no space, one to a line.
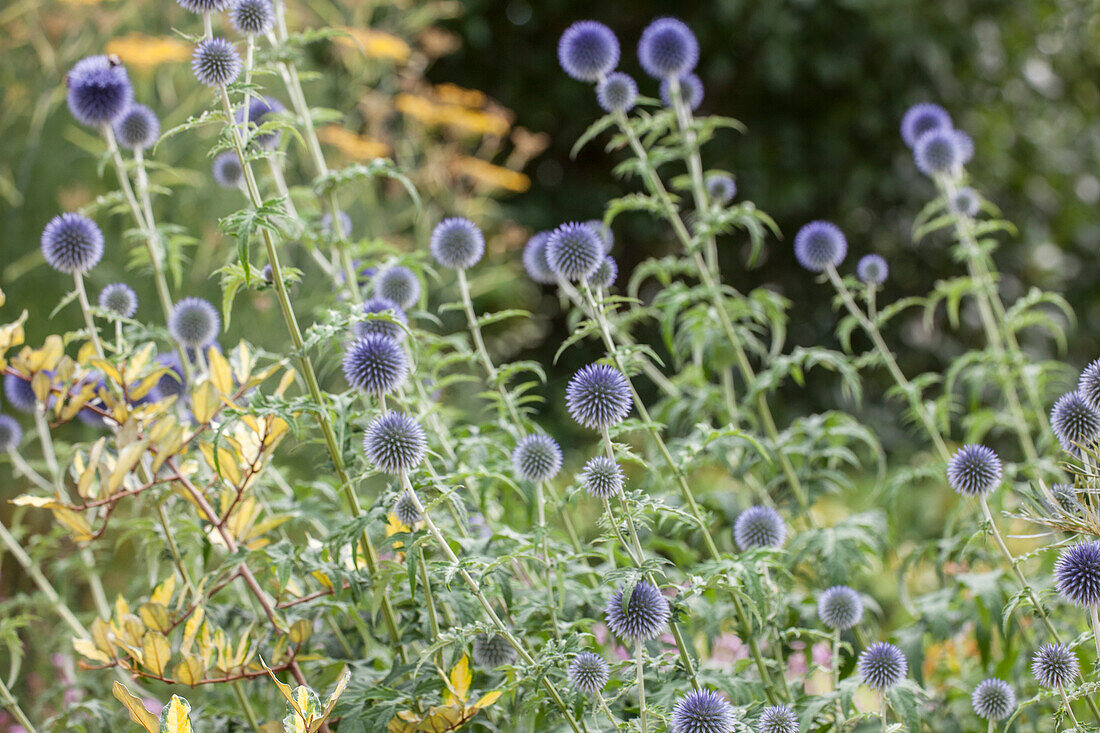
993,699
922,118
378,325
1066,497
258,108
205,6
574,251
605,274
491,651
601,477
98,90
598,396
882,665
820,245
691,91
405,509
721,188
19,393
644,616
534,259
1054,665
964,202
398,284
840,607
171,383
1088,385
777,719
603,231
138,128
964,144
588,50
1077,574
194,322
375,364
974,470
11,434
72,243
395,443
872,269
617,92
937,153
457,243
702,711
589,672
668,48
227,170
215,62
252,17
120,299
537,458
1074,423
759,526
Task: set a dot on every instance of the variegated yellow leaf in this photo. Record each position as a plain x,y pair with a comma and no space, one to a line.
191,628
204,402
189,671
162,594
138,713
176,716
220,373
155,652
155,616
87,648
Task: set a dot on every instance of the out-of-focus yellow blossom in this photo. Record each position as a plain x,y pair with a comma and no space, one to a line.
376,44
140,51
354,146
455,116
495,176
436,42
454,94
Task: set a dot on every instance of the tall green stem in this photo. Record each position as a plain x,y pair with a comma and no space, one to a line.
639,661
12,705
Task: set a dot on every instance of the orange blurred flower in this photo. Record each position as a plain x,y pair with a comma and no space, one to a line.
484,172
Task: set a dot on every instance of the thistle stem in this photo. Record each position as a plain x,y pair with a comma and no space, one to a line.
12,705
246,706
23,468
547,561
639,659
86,309
836,676
1069,708
1095,629
882,710
44,585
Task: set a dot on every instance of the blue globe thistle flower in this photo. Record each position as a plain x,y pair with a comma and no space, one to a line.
87,415
840,607
691,91
11,433
882,665
589,672
964,144
1077,574
601,477
721,188
120,299
588,50
922,118
537,458
598,396
644,616
702,711
759,526
138,128
668,48
777,719
19,393
820,245
574,251
617,92
205,6
227,170
405,509
98,90
258,108
993,699
1066,497
491,651
171,383
268,274
1074,423
1054,665
964,202
375,364
194,322
534,259
215,62
377,325
395,443
345,224
974,470
605,274
72,243
252,17
399,284
457,243
604,232
872,269
937,153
